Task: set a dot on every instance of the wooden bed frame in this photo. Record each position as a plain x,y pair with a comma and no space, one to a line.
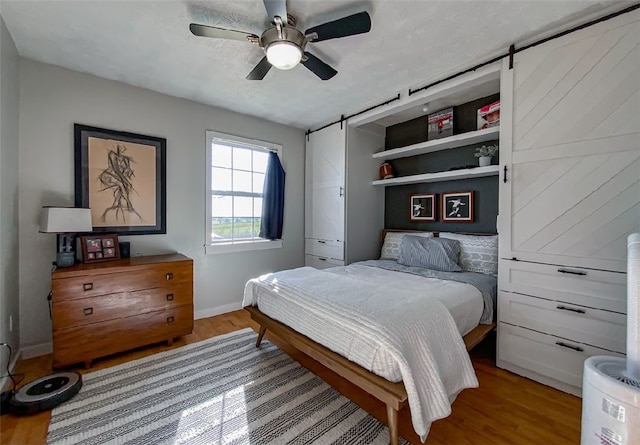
392,394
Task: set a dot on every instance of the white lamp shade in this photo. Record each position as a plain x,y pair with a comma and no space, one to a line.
65,220
284,55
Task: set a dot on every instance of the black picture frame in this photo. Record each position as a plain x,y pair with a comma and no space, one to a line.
457,207
121,176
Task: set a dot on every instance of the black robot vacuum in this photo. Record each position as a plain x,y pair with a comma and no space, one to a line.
44,393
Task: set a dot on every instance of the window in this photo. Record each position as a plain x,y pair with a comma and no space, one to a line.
235,177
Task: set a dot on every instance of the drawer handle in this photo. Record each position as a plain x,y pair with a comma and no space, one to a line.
572,309
169,320
169,297
572,272
87,286
322,242
169,276
322,259
565,345
88,311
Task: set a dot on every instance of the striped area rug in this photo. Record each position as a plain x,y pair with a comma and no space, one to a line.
222,390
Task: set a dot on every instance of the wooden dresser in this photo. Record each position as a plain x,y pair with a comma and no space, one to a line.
103,308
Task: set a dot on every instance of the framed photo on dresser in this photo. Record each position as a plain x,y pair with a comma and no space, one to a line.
99,248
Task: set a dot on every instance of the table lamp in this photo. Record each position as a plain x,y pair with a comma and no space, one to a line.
65,222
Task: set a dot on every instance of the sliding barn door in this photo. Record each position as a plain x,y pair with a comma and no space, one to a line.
572,190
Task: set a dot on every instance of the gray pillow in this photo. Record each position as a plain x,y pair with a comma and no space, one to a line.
430,253
393,242
477,253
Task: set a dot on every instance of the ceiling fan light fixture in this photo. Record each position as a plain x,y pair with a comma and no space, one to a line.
284,55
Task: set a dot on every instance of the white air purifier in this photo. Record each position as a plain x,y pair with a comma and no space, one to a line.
611,385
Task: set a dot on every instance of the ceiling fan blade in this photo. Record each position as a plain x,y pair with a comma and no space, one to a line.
276,8
261,70
220,33
318,67
347,26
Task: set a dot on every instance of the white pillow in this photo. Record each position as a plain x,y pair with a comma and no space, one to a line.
393,243
477,253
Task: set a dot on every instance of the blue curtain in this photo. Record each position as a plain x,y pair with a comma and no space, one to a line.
273,199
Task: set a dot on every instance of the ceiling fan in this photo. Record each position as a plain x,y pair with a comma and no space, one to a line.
284,45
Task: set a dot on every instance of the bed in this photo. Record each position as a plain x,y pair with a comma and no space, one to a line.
396,330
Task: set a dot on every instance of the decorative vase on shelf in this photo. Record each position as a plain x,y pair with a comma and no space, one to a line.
484,161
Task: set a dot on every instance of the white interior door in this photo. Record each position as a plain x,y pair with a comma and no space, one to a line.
325,182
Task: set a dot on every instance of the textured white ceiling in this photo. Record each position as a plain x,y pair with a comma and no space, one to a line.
148,44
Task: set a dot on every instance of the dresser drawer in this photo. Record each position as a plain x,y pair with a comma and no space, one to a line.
586,287
595,327
111,283
321,262
82,311
545,354
88,342
324,248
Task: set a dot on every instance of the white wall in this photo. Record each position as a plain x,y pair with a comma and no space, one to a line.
9,103
52,99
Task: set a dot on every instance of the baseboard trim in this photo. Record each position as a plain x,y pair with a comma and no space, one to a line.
37,350
5,382
210,312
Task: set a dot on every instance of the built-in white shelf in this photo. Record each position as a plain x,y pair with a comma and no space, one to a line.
465,173
457,140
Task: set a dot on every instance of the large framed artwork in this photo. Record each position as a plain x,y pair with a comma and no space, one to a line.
457,207
122,178
423,207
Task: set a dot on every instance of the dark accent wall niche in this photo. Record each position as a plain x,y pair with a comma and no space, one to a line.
485,189
485,205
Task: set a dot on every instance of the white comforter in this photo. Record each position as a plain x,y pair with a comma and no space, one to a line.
422,338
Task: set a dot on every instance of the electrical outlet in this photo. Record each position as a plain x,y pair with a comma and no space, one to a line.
10,323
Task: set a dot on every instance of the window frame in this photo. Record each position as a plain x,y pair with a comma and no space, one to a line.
229,246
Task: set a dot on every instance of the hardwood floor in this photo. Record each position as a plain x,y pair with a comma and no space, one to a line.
506,409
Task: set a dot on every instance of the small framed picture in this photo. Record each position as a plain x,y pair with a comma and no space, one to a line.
99,248
423,207
94,244
457,207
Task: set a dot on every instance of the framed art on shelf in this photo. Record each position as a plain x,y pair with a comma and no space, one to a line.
489,116
423,207
99,248
457,207
440,124
122,178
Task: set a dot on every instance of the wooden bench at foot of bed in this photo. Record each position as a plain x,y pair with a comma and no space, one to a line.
392,394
